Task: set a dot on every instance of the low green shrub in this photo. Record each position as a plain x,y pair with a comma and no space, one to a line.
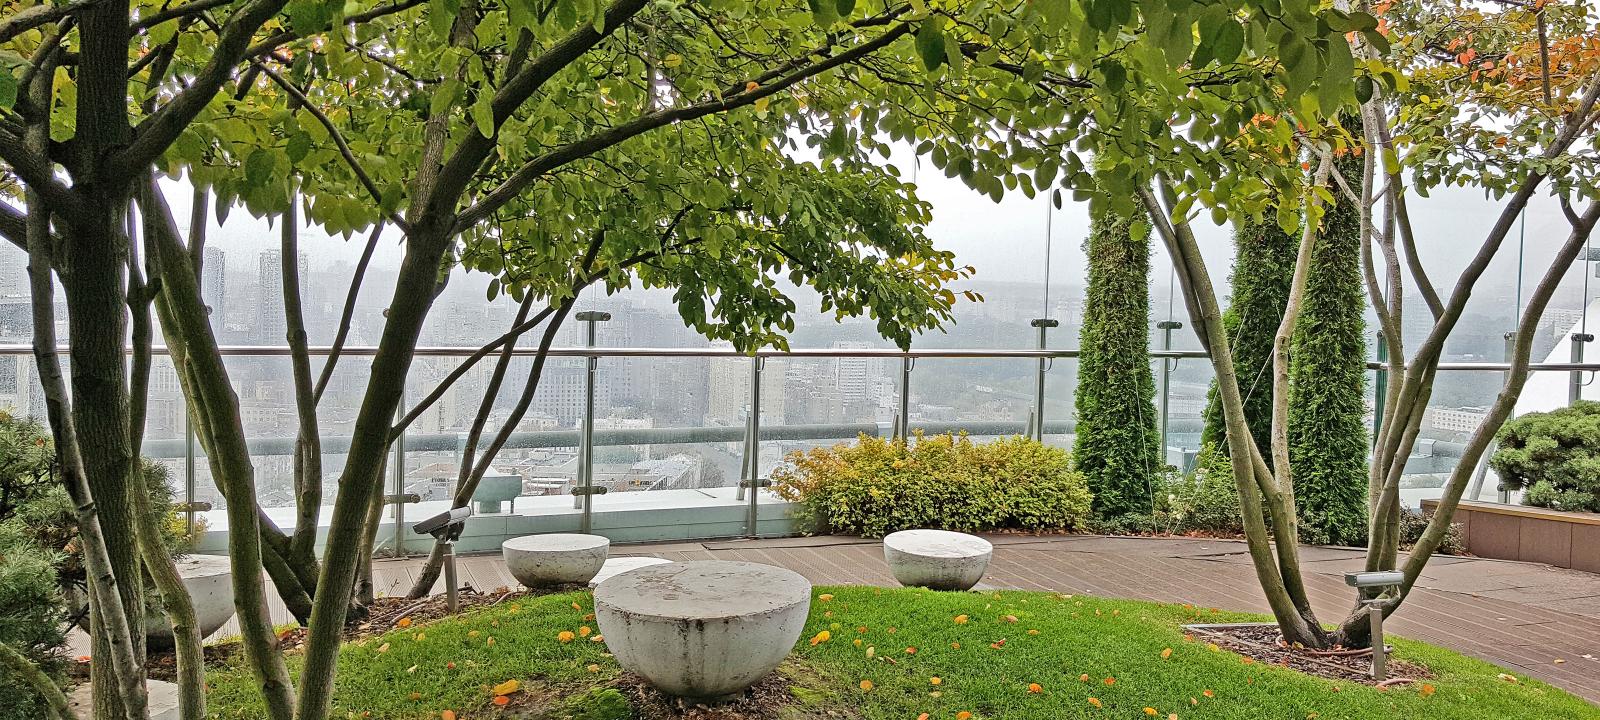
877,486
31,599
1204,501
1554,455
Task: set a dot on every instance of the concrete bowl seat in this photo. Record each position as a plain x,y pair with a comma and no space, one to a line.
937,559
703,630
555,558
620,565
209,580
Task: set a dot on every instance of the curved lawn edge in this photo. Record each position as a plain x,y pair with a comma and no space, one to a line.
1015,654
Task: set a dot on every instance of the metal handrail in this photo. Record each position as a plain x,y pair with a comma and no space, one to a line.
605,352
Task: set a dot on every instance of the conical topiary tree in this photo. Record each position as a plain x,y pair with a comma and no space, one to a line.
1328,441
1117,446
1263,268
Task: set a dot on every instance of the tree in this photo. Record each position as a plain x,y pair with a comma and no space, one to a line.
1328,440
1263,266
1444,144
1117,447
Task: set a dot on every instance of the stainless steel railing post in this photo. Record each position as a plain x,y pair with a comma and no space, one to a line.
750,484
1168,364
1037,424
585,492
903,427
399,463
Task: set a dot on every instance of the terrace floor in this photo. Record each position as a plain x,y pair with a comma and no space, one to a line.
1534,619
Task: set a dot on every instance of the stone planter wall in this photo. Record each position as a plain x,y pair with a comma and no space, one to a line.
1531,534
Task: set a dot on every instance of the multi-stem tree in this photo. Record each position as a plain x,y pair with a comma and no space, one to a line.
1117,447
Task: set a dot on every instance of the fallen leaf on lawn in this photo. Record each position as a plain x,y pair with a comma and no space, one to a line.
1033,632
414,696
1193,701
594,668
490,641
1096,702
1035,688
507,687
1083,678
447,715
955,646
411,669
1166,653
598,638
1010,618
473,634
923,716
1508,678
1116,612
825,597
911,651
963,715
1208,693
1150,711
820,638
871,651
585,631
1110,681
890,631
450,666
383,648
934,680
404,622
1426,690
565,636
576,606
1212,647
861,629
502,700
421,636
961,619
866,685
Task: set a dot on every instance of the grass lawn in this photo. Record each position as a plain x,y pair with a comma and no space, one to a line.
1062,657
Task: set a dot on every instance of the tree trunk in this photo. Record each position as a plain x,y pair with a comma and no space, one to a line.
413,296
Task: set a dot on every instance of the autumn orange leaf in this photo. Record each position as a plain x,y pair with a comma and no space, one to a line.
565,636
1096,702
502,700
825,597
963,715
447,715
866,685
1110,681
404,622
1166,653
507,687
1035,688
598,638
1150,711
820,638
1208,693
911,651
1426,690
585,631
923,716
961,619
935,680
1083,678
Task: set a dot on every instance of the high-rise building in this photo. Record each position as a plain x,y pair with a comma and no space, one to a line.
270,326
214,285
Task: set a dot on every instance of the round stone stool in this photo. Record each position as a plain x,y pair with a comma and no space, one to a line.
937,559
618,566
209,580
555,558
703,630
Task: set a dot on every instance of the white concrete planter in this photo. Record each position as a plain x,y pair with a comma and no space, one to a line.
209,580
937,559
163,701
703,630
555,558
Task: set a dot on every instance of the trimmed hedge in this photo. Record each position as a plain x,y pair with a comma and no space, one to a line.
876,486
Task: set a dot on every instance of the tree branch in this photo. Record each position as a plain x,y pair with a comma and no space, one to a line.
539,166
41,14
349,311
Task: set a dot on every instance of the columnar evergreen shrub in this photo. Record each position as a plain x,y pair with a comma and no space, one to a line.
1118,447
878,486
1554,456
1328,440
1263,269
31,601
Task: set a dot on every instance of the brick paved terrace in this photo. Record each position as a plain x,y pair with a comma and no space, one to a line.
1534,619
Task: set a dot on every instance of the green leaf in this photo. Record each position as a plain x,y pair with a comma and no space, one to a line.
298,147
824,12
1228,43
8,89
930,43
483,115
1364,89
845,7
1337,77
